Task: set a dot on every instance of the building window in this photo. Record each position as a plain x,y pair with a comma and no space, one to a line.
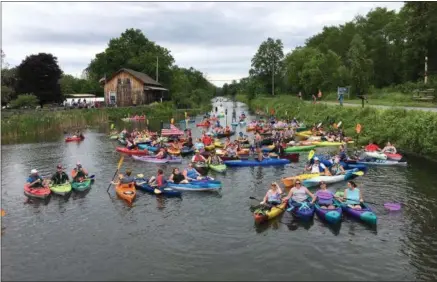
127,81
119,81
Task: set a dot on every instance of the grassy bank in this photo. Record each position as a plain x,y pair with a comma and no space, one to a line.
412,131
20,125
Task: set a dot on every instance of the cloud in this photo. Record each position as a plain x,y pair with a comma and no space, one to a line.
218,38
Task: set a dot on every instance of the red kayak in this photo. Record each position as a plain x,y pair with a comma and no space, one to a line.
132,152
393,157
72,139
203,124
40,193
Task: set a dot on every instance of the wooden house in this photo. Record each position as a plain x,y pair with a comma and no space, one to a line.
130,88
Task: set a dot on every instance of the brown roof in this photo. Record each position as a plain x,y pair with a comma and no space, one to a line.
139,75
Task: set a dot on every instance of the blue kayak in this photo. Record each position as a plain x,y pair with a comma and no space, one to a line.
148,147
165,191
361,167
193,186
209,182
265,162
186,151
304,212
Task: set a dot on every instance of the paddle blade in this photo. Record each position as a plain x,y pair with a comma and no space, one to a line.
120,162
358,128
311,154
157,191
3,212
358,173
339,124
320,124
392,206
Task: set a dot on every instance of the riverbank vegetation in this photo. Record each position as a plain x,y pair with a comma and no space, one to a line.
411,131
381,52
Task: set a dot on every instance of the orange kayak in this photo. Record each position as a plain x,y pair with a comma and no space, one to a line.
126,192
289,181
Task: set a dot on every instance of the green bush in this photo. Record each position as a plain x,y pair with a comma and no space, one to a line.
24,100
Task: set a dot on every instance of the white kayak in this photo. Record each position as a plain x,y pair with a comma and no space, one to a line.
384,163
376,155
315,181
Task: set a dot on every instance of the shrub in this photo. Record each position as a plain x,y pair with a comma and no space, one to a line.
24,100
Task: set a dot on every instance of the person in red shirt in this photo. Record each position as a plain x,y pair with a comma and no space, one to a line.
206,140
160,181
372,147
198,157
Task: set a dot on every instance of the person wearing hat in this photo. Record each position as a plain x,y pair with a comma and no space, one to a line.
214,159
79,173
35,180
125,179
60,177
316,167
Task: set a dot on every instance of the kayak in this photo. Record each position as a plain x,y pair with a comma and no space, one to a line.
234,123
262,215
315,181
383,163
81,186
327,143
268,148
201,167
61,189
227,134
299,148
265,162
350,165
300,129
289,181
218,144
364,214
126,192
148,147
304,212
114,137
218,168
203,124
165,191
376,155
394,157
292,157
132,152
173,151
210,147
39,193
72,139
153,159
193,186
332,216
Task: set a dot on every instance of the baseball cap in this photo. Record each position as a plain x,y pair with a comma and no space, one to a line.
316,158
33,171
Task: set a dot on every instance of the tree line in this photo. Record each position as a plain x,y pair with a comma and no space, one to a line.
40,74
381,49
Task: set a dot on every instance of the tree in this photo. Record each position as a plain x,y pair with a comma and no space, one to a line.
39,75
267,62
7,81
360,66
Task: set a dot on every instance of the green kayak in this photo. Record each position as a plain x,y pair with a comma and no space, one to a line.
81,186
299,148
113,137
218,168
61,189
299,129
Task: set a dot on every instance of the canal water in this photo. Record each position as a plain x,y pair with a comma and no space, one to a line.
206,236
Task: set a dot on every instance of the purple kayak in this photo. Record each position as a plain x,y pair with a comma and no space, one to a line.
152,159
332,216
364,214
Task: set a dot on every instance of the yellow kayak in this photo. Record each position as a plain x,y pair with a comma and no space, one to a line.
210,147
304,134
173,151
327,143
218,144
261,216
289,181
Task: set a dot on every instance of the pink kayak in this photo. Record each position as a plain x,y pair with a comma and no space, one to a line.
152,159
393,157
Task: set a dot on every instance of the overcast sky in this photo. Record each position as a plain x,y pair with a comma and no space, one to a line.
218,38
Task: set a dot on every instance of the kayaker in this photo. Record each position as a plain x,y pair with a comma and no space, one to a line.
35,180
298,194
78,173
372,147
125,179
342,154
198,157
199,145
324,197
389,148
191,173
60,177
214,159
189,143
273,195
337,168
158,181
316,167
177,177
353,196
162,154
260,154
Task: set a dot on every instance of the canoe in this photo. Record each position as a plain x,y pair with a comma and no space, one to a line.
148,147
61,189
365,214
265,162
126,192
315,181
218,168
153,159
305,212
39,193
81,186
132,152
193,187
165,191
379,162
73,139
261,215
394,157
299,148
376,155
332,216
173,151
289,181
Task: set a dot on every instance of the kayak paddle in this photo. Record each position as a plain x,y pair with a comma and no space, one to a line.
311,155
120,162
3,212
358,173
389,206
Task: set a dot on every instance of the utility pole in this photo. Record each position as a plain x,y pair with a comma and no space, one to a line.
273,79
157,64
426,69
